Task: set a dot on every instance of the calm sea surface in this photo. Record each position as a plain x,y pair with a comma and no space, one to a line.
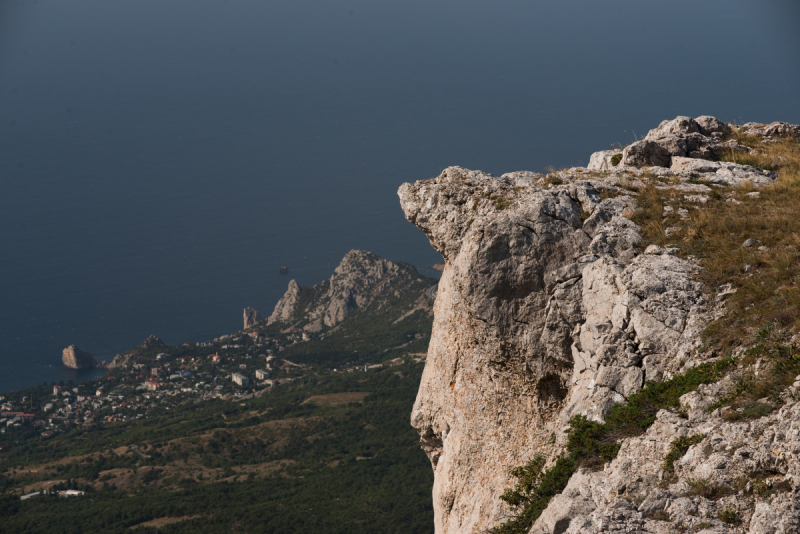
159,159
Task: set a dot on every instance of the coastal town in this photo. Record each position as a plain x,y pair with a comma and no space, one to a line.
230,368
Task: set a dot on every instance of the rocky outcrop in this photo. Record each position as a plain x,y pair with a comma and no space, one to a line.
120,360
287,305
361,280
151,343
549,307
683,137
251,317
75,358
632,494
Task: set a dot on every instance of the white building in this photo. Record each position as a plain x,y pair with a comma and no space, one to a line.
240,379
262,374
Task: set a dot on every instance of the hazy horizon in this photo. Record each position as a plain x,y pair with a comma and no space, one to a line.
160,160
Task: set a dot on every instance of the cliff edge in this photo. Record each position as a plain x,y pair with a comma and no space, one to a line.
552,305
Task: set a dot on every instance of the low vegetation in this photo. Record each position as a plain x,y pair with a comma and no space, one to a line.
765,273
742,237
678,448
591,444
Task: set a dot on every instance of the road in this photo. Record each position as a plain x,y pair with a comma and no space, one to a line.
431,291
135,449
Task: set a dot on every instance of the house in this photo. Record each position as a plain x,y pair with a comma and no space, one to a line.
14,415
240,379
30,495
152,385
56,390
262,374
155,371
215,358
48,407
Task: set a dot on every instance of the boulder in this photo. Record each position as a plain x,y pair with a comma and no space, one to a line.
646,153
679,127
782,129
605,160
711,126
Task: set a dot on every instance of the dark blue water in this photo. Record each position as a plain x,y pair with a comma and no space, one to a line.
159,159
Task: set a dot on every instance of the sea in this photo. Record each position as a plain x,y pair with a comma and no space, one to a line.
161,159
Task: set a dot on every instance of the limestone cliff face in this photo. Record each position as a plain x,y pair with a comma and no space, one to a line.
286,307
75,358
549,307
360,280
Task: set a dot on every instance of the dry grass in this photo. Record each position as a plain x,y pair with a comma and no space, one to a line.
766,281
334,399
164,521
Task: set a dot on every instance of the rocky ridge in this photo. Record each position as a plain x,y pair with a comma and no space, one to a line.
362,280
549,307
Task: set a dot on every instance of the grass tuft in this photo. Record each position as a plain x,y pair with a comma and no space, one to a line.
729,516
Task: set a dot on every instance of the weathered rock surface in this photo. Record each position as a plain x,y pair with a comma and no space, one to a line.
75,358
361,280
731,456
286,306
251,317
604,160
684,137
548,308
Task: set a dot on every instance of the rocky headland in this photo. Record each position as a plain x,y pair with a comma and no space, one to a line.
562,297
362,281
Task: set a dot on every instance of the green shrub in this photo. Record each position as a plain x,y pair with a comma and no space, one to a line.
729,516
591,444
678,448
